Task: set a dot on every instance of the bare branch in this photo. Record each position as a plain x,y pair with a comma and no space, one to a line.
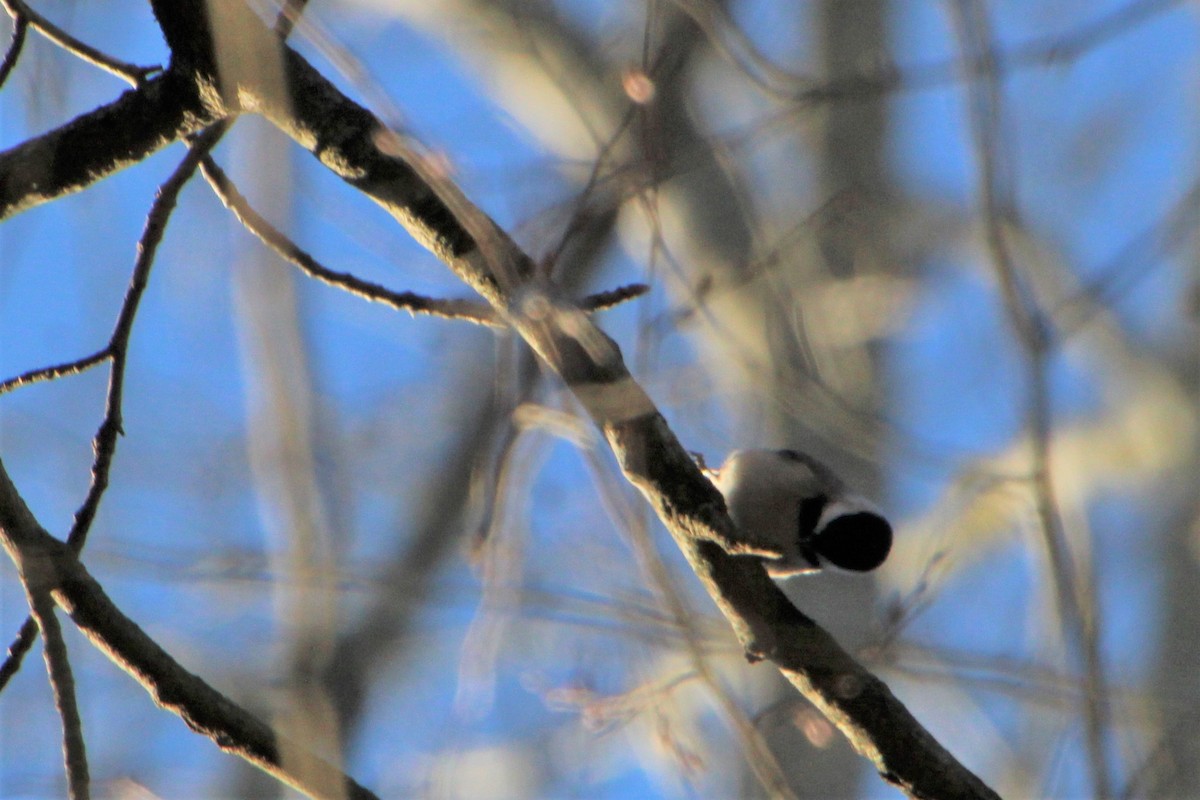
204,709
94,145
54,372
15,654
20,26
132,74
285,248
394,172
105,440
613,297
104,443
289,251
165,108
58,666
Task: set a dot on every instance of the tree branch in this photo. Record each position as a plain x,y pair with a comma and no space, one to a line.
97,144
203,708
104,443
62,683
285,248
20,26
54,372
351,142
132,74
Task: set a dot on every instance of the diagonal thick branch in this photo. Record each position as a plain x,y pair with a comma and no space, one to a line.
349,140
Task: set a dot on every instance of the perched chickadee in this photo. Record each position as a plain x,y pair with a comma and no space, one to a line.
796,507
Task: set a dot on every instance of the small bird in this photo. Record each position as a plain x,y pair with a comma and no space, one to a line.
794,506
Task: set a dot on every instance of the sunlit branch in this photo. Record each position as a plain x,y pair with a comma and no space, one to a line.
104,443
132,74
16,44
96,144
285,248
54,372
62,682
289,251
204,709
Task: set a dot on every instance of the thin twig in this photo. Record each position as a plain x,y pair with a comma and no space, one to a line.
613,297
20,26
62,682
1068,46
53,373
132,74
1132,262
1076,598
104,444
15,654
289,251
464,310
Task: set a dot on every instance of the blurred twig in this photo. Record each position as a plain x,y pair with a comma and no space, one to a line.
1132,262
1076,598
439,215
1048,50
758,755
466,479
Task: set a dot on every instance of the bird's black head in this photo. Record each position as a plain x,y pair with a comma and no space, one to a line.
859,541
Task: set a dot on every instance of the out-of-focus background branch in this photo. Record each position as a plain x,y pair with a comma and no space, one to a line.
399,539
